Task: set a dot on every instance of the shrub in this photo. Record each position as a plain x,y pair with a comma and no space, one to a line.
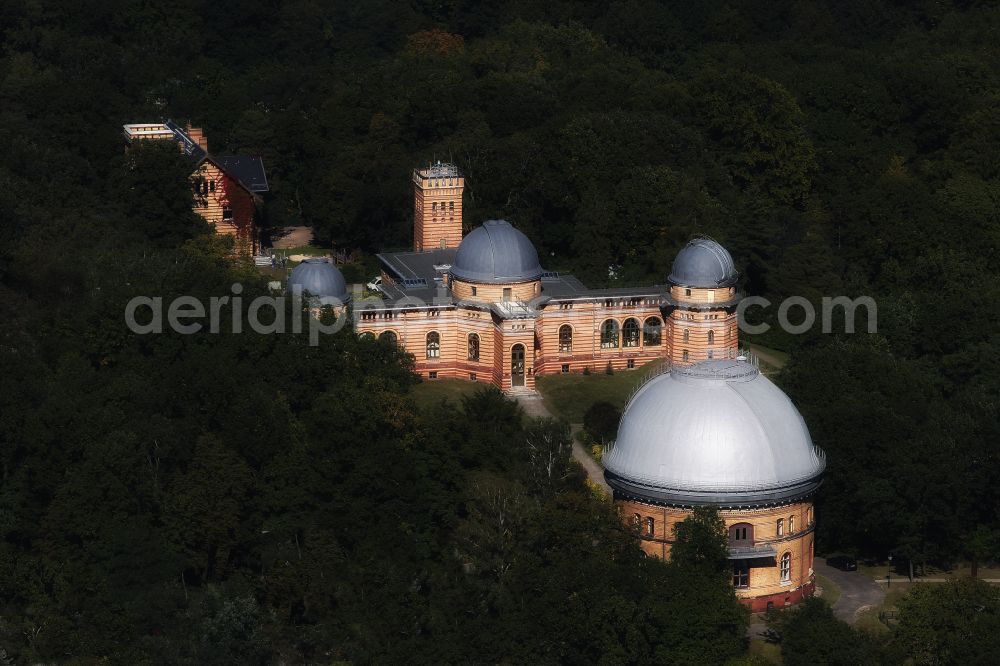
600,421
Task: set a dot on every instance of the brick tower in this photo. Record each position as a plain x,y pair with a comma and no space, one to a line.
437,207
701,307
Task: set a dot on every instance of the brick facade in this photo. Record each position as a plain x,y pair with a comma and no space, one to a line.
765,582
437,207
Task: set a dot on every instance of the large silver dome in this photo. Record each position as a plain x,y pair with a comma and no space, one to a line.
318,277
496,252
716,432
703,263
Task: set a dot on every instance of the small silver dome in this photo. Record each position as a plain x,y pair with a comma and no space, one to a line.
318,277
715,432
496,252
703,263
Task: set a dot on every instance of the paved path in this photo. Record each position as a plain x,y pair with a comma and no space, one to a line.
857,591
532,404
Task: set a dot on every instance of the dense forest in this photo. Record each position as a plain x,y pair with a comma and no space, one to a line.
252,499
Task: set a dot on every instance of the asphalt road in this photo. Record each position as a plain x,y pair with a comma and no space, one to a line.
857,591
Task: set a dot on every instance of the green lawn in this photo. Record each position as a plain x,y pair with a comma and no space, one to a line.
430,392
569,396
831,591
769,651
771,360
961,570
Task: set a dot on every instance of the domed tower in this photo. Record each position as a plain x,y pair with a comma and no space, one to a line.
497,266
701,307
319,278
719,433
496,263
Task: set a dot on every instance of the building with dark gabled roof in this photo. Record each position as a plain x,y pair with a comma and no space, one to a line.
226,189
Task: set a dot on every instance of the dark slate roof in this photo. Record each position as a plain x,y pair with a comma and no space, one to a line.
191,148
416,274
496,253
318,277
247,169
566,287
703,263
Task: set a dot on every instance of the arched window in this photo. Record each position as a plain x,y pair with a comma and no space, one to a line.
684,355
809,515
609,334
367,336
786,567
711,337
388,336
630,333
650,525
687,335
473,347
652,332
741,535
780,529
565,338
637,521
433,345
791,524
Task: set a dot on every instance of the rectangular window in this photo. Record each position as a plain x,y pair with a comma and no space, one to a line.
473,291
506,294
565,368
472,376
741,574
631,363
227,213
432,374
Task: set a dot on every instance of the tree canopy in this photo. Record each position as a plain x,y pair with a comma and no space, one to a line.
250,498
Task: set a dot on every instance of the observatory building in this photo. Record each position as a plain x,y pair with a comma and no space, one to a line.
319,278
706,429
480,306
719,433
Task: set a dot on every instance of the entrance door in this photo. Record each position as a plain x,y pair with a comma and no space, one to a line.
517,365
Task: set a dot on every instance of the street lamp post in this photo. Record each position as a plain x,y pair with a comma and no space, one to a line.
888,574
